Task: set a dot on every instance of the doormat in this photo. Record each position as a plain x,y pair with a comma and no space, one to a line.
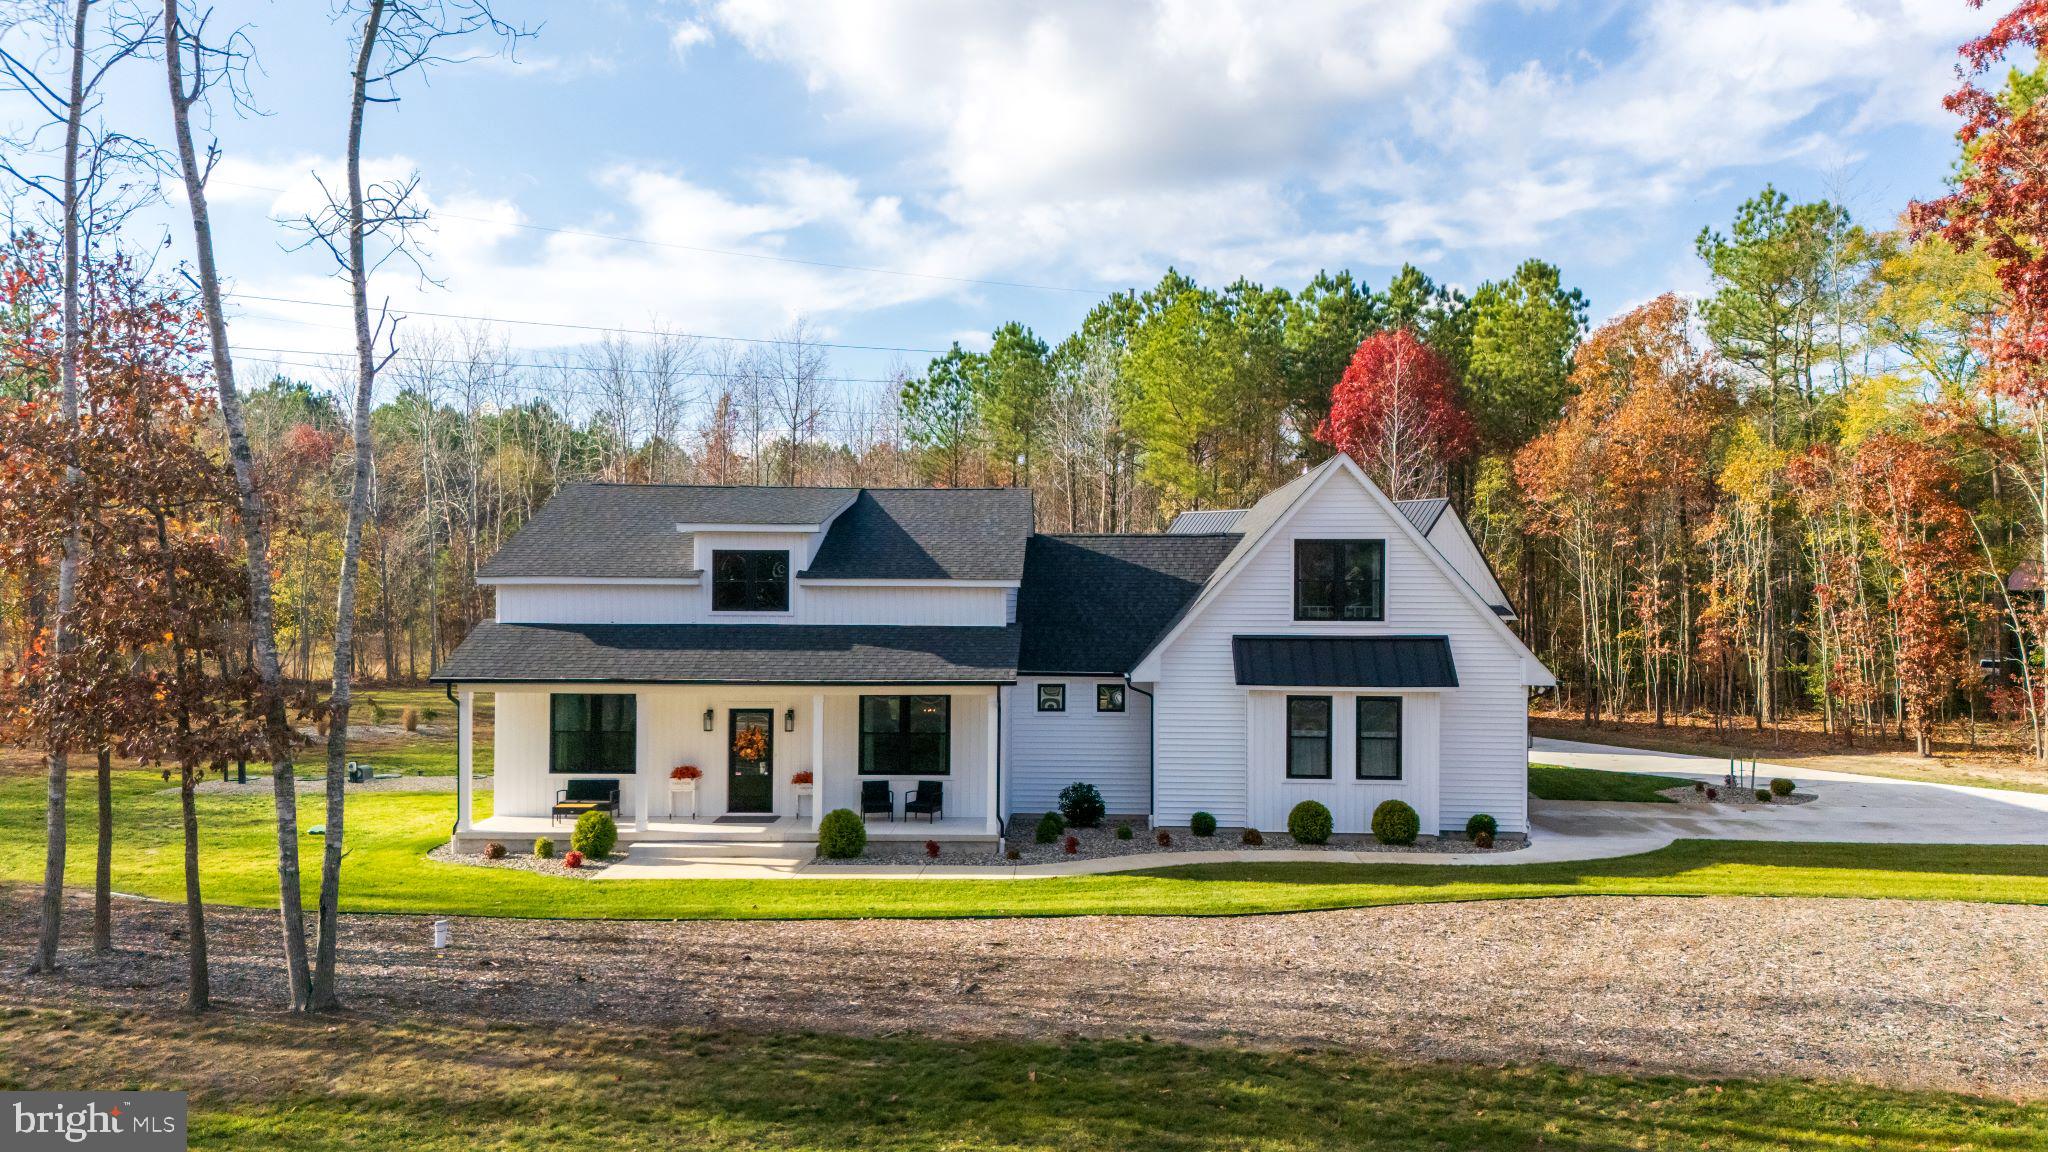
746,818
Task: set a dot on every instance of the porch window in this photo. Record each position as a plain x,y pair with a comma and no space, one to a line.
749,581
906,735
1379,737
591,732
1308,737
1109,697
1340,579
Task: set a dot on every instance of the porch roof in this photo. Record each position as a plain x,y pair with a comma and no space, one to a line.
732,654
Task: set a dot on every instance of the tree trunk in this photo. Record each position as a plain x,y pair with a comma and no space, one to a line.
197,994
255,535
67,568
103,860
324,994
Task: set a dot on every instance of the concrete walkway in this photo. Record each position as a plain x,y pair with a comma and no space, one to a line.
1849,808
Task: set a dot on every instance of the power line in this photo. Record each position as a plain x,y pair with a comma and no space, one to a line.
600,327
868,268
702,373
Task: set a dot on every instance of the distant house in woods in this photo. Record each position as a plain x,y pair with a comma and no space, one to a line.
809,648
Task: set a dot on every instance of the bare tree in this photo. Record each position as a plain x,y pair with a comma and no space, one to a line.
193,65
393,39
666,364
89,160
795,386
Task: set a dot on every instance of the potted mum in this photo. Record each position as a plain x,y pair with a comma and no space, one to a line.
802,783
682,788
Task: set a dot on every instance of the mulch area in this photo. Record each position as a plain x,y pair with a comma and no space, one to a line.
1899,993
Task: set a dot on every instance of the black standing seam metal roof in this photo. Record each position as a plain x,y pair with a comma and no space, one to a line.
927,534
732,653
1344,661
1093,605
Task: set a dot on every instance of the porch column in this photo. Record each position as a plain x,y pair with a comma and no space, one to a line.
817,759
995,747
643,764
465,743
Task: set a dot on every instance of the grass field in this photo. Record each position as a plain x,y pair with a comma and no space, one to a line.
427,1086
1553,782
389,834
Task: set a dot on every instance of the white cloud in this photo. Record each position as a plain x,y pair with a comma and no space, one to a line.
688,34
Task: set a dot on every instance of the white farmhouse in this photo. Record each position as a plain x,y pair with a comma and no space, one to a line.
729,663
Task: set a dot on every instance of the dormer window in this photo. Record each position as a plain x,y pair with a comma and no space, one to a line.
749,581
1340,579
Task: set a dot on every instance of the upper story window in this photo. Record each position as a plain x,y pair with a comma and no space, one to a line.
749,581
1340,579
1109,697
1052,697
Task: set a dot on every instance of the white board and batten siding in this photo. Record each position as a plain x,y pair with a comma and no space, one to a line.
1202,725
1271,795
1050,750
669,724
569,603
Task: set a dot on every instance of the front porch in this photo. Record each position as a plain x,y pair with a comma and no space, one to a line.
517,833
772,759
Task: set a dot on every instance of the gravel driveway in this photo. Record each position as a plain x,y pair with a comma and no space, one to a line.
1911,994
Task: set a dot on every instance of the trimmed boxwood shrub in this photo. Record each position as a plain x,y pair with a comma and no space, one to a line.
544,848
1781,787
841,835
1310,823
1202,824
1123,831
1763,795
1082,804
595,835
1481,822
1050,827
1394,822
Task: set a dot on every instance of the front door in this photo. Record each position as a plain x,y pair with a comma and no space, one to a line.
750,761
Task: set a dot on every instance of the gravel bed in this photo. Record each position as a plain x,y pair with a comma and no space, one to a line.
520,858
1102,844
1907,994
1726,797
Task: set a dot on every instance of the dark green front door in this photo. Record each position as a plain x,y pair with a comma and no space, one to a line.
751,779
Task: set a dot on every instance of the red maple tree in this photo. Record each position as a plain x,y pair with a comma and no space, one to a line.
1396,412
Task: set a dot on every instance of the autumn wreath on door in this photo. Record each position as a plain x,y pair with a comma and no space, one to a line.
750,745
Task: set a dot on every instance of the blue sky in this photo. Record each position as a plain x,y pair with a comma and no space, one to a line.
1075,146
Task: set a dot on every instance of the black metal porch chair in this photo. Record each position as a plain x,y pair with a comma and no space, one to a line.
585,796
929,801
877,796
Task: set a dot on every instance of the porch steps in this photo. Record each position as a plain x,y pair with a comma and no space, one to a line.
715,852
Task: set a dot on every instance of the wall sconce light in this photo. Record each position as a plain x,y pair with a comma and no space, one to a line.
789,719
707,719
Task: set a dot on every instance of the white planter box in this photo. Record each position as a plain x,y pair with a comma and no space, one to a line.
682,797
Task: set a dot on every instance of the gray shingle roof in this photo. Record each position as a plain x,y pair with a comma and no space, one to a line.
628,531
1344,661
1092,605
927,534
732,653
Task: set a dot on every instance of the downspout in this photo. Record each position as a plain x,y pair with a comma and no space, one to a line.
1151,748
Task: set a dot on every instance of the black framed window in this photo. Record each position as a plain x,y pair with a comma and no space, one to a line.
1340,579
1109,697
1379,737
591,732
1308,737
906,735
1052,697
749,581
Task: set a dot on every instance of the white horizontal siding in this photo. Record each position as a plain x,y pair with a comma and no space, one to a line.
1050,750
938,604
569,603
1201,733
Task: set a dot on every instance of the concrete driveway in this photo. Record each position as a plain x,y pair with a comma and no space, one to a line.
1853,808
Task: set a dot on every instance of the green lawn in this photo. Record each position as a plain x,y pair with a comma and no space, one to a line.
1554,782
424,1086
390,833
